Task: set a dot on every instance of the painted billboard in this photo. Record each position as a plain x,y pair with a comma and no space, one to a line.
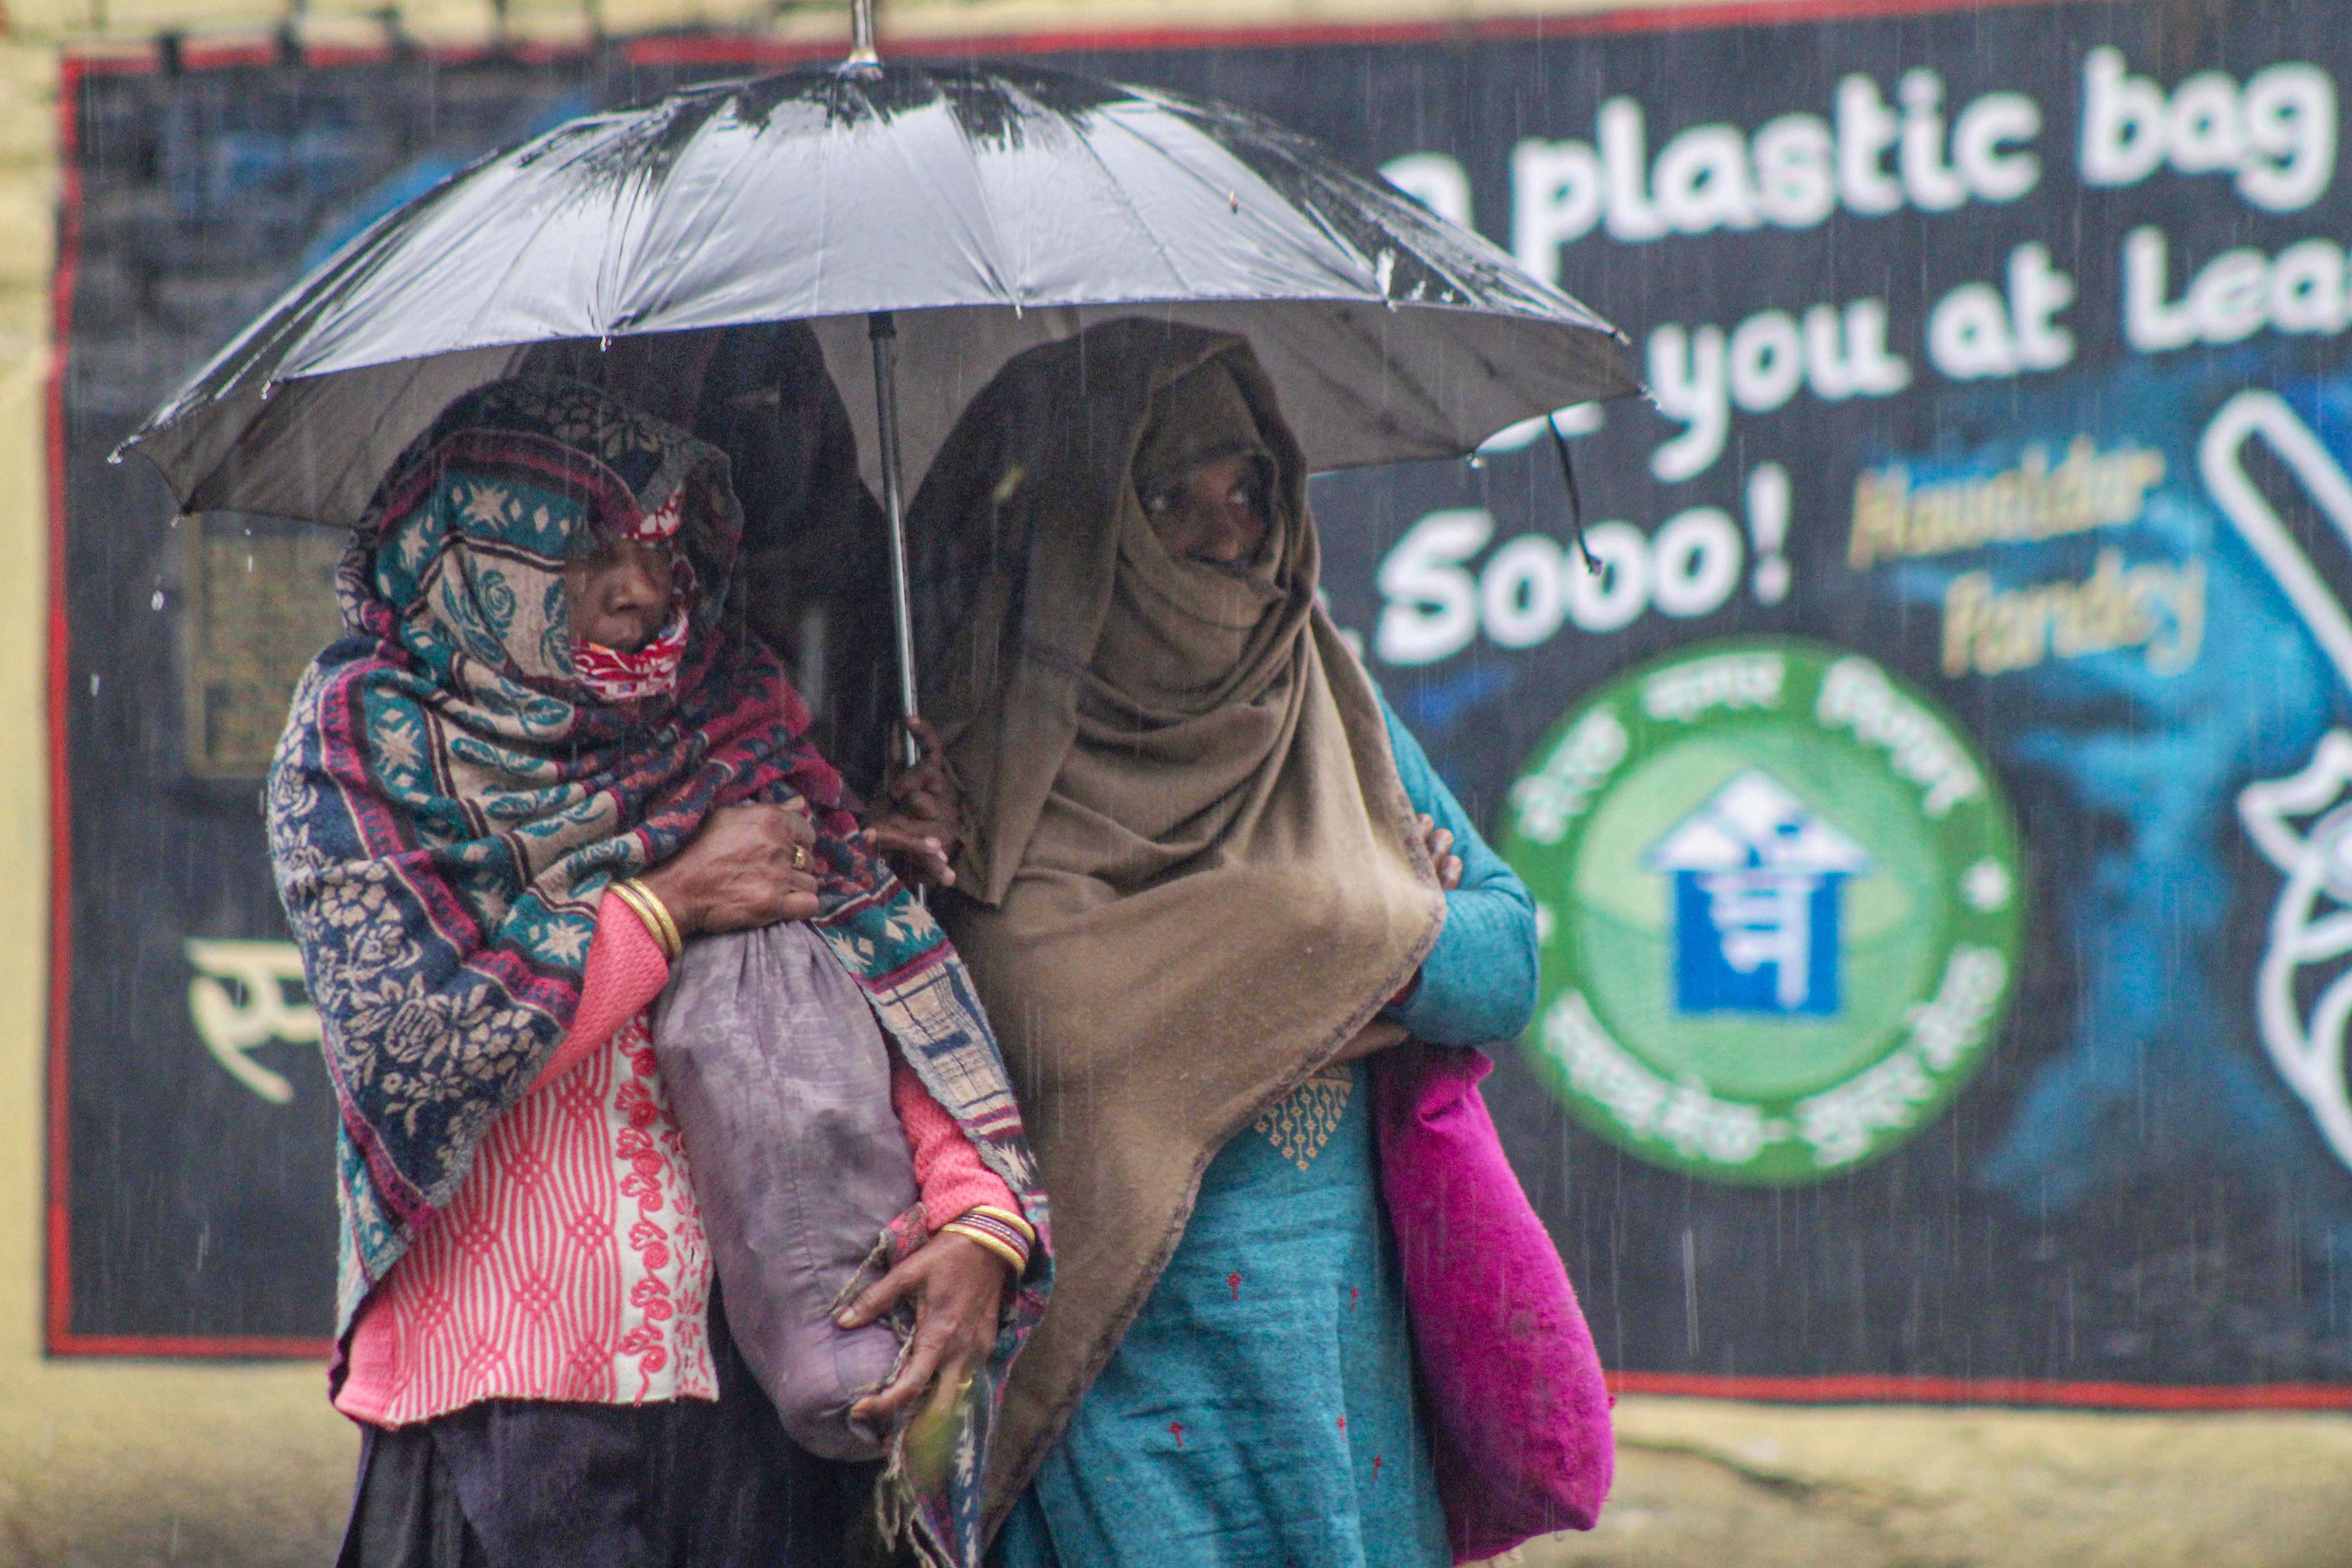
1931,754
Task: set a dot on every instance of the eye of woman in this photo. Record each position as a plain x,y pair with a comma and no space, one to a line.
604,552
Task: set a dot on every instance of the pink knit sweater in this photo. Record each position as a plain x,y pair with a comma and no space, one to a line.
571,1262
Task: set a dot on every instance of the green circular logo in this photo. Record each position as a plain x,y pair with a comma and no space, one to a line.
1778,895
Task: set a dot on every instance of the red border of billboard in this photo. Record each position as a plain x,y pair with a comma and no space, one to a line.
721,50
59,1336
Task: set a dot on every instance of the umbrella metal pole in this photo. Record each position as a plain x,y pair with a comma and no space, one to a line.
862,51
884,332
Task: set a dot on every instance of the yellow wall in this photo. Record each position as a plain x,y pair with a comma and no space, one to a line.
121,1462
100,1463
83,22
115,1462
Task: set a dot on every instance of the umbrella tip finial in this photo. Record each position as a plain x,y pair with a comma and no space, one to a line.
862,51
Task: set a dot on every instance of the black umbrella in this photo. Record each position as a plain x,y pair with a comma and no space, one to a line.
930,223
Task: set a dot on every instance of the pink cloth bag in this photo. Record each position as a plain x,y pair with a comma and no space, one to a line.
1519,1411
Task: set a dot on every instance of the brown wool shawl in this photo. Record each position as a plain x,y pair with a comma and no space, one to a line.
1190,874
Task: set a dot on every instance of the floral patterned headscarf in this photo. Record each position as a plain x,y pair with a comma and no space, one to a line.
460,779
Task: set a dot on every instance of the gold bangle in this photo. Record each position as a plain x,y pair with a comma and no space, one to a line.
629,894
982,1221
1008,1218
995,1244
672,940
637,906
619,888
649,908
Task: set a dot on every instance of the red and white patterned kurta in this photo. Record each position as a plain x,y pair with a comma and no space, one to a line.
571,1263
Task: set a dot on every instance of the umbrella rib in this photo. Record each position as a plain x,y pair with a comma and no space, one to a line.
362,450
1000,247
409,242
1311,218
993,246
515,259
733,191
599,228
1159,246
613,258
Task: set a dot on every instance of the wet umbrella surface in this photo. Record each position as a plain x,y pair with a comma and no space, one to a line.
992,207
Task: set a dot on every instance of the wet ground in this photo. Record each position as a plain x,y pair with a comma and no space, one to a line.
1716,1484
132,1465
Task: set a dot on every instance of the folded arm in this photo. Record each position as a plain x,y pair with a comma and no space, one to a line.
1478,983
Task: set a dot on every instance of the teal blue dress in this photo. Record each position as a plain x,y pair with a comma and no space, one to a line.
1261,1409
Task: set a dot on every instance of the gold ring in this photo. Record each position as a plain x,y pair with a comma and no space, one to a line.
800,856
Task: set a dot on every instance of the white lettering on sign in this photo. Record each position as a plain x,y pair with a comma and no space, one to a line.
1838,1122
1857,695
1698,374
1435,604
238,1001
1878,147
1792,172
1978,331
2234,296
1683,1115
2276,135
1952,1025
1547,800
1734,681
1432,608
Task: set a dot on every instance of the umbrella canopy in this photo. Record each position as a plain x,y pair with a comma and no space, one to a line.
993,207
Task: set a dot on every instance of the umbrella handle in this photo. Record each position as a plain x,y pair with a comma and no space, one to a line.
884,332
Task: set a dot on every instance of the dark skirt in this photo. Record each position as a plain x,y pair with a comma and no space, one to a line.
685,1483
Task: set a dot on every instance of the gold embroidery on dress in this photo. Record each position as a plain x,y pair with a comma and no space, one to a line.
1302,1121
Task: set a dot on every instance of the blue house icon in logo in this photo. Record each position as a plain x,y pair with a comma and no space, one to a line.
1757,878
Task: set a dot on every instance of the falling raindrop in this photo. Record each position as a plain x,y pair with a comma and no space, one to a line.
1690,1293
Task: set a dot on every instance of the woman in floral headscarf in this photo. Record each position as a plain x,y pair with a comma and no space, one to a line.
546,751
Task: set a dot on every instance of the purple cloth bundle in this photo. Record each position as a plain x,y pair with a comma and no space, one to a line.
780,1081
1520,1413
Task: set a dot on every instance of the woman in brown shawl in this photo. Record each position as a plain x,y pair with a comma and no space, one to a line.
1204,873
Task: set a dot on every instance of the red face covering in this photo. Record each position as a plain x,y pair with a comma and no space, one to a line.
652,670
